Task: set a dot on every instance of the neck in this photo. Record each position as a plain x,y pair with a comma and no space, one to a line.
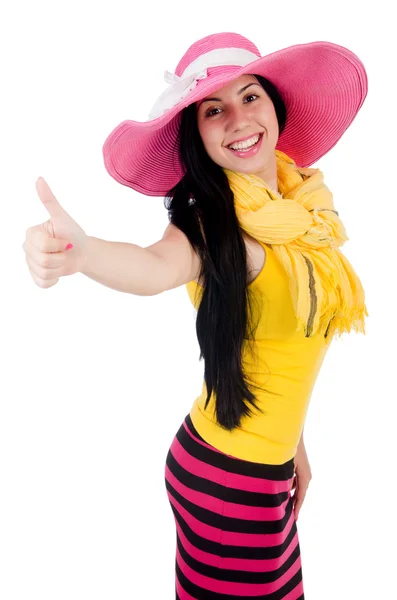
269,173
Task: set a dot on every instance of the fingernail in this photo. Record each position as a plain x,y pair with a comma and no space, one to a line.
69,246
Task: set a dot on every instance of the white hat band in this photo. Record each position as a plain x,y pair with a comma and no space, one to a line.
181,86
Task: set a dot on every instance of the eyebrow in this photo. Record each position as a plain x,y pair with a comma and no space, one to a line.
219,99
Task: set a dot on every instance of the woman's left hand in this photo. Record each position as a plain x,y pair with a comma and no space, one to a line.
301,479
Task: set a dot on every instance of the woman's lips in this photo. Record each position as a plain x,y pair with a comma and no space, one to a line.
247,153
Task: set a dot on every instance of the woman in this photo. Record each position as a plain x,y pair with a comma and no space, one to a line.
255,237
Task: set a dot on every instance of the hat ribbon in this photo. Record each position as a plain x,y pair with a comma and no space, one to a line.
180,87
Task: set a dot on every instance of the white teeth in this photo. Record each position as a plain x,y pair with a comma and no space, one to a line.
246,144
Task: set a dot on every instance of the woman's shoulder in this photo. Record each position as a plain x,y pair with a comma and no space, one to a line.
256,256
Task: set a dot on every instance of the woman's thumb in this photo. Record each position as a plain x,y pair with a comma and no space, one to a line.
52,205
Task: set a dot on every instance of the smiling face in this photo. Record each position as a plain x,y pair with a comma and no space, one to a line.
239,112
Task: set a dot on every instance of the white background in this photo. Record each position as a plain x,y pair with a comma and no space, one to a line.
95,383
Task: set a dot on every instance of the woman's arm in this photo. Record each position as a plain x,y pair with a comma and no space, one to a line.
60,247
301,442
123,267
303,475
129,268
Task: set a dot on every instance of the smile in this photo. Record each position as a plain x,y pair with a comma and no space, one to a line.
247,147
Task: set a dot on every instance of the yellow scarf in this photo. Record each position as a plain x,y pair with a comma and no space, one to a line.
305,231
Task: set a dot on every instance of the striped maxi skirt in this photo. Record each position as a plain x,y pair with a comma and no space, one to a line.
236,535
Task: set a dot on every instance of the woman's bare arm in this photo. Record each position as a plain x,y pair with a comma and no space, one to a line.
129,268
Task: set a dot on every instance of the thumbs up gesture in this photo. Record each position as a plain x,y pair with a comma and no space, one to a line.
45,244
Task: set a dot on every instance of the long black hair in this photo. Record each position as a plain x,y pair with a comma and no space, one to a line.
202,206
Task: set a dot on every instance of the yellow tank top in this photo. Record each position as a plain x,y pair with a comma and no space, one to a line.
285,364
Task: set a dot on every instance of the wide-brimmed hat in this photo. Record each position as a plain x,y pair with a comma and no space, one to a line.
323,86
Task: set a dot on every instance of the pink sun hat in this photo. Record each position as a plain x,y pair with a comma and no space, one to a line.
323,86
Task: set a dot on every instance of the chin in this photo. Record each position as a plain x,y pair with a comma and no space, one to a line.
248,168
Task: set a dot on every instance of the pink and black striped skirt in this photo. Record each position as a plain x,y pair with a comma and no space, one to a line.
236,535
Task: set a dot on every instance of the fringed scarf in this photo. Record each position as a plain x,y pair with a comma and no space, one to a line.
305,231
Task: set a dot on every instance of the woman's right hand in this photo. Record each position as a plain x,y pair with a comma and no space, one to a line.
45,244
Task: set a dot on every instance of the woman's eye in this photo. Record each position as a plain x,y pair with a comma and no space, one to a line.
252,96
210,112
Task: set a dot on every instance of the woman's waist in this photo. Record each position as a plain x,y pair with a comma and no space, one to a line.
271,436
275,391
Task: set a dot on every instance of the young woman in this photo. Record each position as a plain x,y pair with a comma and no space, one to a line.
255,237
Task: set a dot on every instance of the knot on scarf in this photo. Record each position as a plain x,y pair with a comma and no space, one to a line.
301,224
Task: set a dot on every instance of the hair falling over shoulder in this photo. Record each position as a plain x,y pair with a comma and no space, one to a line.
202,206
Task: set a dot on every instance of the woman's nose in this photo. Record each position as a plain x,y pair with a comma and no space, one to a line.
238,119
